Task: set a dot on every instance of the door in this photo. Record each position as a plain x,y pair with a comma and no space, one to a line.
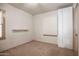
77,12
65,28
75,41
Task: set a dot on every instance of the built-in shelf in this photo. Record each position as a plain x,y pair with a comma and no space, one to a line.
20,30
50,35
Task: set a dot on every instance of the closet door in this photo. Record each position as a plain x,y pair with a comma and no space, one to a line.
60,28
67,28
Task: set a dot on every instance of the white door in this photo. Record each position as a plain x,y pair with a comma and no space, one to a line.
77,10
60,28
65,28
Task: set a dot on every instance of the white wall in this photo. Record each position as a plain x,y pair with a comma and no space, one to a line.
15,16
45,23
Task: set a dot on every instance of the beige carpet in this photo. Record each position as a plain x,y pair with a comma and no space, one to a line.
35,48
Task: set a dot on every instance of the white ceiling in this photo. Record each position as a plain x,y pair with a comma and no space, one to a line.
37,8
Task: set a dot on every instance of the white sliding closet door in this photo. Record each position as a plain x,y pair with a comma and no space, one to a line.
0,24
60,28
65,28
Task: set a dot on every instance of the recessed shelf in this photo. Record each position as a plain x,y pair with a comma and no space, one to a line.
50,35
20,30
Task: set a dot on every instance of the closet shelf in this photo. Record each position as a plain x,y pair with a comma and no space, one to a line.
50,35
20,30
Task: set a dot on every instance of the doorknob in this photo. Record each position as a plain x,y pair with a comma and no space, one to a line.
76,34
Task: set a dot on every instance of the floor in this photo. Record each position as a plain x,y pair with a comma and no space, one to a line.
36,48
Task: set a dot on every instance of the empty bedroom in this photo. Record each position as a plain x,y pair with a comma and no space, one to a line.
39,29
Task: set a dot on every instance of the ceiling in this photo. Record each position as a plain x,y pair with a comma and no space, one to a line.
37,8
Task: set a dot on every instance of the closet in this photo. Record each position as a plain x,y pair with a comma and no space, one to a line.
65,28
